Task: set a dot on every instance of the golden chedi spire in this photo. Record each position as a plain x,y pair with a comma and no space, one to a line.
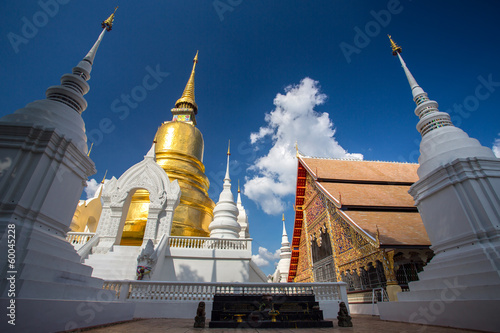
187,99
179,151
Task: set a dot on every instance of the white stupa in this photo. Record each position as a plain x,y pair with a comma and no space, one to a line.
46,147
458,197
225,223
242,217
281,273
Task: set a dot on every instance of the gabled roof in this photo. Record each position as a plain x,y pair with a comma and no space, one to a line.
394,228
372,195
369,195
360,171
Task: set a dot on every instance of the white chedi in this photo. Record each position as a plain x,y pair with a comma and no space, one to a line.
281,273
242,217
225,223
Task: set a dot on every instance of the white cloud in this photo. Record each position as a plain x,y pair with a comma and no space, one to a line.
92,186
265,256
293,120
496,147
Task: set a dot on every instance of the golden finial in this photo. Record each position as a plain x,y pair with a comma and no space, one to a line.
395,47
283,219
239,186
187,98
104,178
228,146
108,23
92,145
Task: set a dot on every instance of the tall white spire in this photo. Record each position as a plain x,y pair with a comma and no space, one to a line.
225,223
458,198
285,244
281,274
441,141
106,26
73,86
415,88
65,102
242,216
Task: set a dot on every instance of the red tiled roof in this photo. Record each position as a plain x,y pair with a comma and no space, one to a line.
395,228
361,170
370,195
373,194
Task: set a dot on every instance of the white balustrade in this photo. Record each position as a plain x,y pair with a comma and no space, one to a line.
205,291
209,243
78,239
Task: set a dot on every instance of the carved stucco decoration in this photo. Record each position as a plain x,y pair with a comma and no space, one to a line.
164,197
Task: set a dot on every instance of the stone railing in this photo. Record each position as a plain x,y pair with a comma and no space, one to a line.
86,249
205,291
364,296
78,239
210,243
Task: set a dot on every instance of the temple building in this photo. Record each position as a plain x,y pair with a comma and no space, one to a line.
355,222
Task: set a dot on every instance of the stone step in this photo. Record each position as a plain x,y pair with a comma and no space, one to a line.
126,249
477,279
443,270
478,293
33,257
55,274
55,247
56,290
119,263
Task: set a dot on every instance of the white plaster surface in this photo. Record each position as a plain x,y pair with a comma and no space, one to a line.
47,316
468,314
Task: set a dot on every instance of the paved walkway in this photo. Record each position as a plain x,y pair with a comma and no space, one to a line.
361,324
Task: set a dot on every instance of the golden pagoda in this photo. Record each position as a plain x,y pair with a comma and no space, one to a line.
179,151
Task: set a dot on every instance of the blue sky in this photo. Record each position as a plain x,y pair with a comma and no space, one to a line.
340,89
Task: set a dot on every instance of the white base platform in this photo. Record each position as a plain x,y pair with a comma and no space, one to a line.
364,309
40,315
468,314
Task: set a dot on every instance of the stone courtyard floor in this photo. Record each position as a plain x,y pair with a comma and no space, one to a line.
361,324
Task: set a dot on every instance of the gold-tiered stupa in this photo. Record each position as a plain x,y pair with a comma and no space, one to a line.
179,151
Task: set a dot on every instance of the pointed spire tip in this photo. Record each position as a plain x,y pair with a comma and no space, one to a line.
104,178
395,47
187,99
108,23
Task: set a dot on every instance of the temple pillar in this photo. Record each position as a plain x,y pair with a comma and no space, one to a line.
393,287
